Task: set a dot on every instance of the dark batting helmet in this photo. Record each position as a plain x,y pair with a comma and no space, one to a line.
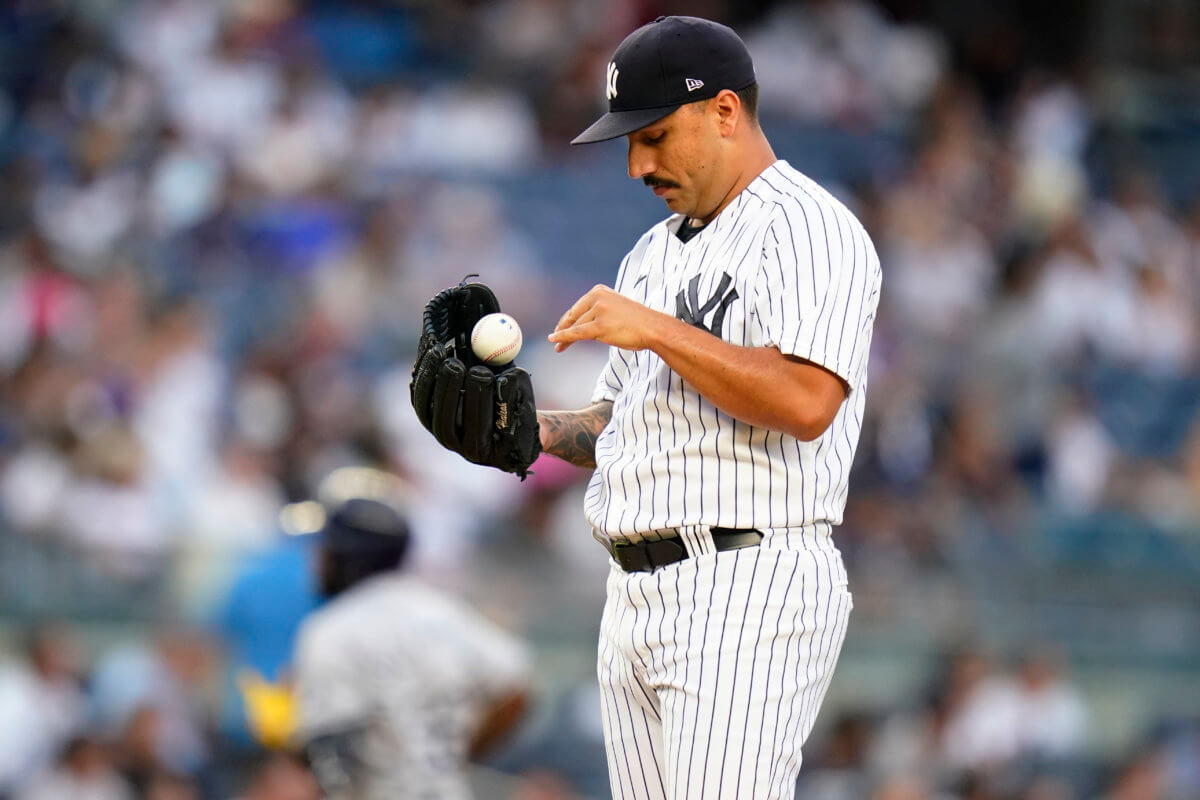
360,538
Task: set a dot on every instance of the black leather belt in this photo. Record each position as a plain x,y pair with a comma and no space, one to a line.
649,556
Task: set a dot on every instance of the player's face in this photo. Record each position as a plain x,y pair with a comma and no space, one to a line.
679,157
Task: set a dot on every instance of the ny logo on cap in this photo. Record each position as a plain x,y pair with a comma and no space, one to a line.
611,90
693,84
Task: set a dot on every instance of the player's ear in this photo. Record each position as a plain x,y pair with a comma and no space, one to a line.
727,108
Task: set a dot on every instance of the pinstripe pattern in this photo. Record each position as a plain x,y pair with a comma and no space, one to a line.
807,281
713,669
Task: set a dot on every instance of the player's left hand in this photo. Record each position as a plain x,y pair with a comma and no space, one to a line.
603,315
485,414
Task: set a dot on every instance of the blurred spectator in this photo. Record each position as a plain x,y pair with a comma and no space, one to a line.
1052,715
227,97
543,785
839,768
167,36
85,216
231,515
300,148
461,229
1143,777
42,706
107,511
1080,456
941,268
1082,305
155,695
981,727
843,61
1047,787
176,415
41,302
171,786
85,772
234,509
281,777
137,746
902,787
1166,323
184,186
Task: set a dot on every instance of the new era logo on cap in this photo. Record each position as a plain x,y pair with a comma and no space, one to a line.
693,84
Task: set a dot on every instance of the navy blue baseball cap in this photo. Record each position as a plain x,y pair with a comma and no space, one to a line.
666,64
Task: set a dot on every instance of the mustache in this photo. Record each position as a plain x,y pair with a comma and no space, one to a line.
653,182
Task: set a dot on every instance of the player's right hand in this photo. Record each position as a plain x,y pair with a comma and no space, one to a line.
604,315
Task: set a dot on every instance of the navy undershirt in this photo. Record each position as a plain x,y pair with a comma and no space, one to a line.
687,230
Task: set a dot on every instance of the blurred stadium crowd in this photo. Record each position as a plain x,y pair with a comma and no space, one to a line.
219,223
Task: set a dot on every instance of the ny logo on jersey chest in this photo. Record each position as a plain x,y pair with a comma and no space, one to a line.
688,308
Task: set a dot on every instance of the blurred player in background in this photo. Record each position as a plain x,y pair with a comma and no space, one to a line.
397,684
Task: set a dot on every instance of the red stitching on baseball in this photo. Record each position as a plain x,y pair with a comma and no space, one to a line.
492,356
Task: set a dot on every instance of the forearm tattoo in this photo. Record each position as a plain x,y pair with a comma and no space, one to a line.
571,435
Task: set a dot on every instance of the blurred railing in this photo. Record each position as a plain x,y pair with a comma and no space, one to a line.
1129,626
1080,580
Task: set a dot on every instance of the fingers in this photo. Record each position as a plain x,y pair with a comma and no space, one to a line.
446,403
581,307
604,316
583,312
559,335
424,382
563,339
591,315
478,408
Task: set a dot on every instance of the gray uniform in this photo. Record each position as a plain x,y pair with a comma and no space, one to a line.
401,674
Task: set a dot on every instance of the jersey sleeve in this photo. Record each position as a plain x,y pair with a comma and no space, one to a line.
817,289
330,684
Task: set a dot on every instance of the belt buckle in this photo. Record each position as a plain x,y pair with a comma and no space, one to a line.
648,555
638,562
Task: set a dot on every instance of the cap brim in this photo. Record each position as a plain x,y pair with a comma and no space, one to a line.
619,123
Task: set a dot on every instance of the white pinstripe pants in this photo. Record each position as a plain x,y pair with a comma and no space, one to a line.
712,670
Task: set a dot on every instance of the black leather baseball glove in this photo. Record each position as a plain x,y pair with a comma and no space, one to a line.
485,414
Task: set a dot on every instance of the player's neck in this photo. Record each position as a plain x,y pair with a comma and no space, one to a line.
758,156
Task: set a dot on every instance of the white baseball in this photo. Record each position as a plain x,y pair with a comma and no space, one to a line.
496,339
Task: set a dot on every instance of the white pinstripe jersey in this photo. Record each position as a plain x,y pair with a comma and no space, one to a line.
785,264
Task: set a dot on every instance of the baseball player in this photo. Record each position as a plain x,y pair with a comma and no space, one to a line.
722,430
397,685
